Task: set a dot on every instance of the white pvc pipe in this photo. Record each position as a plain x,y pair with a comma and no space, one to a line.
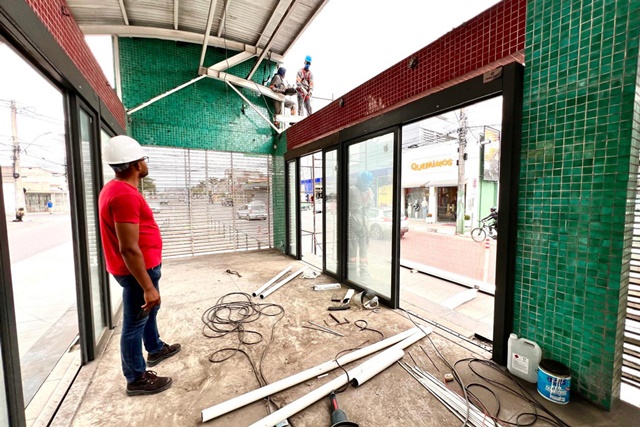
322,391
370,369
266,285
278,285
283,384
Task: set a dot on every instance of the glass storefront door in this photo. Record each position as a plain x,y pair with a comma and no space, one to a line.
370,213
331,210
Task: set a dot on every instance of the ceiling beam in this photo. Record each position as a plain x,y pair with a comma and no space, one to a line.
231,62
124,12
239,81
271,19
173,35
266,48
207,31
244,98
176,8
223,20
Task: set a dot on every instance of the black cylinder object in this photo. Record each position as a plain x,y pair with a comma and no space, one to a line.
338,417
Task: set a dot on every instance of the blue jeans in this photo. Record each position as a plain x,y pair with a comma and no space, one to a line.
137,326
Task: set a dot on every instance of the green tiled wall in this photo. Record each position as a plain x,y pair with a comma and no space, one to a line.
577,186
204,115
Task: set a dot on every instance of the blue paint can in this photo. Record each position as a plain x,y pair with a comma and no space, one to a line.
554,381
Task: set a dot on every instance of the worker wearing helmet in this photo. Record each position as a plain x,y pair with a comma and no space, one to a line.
360,199
277,85
493,217
304,86
133,253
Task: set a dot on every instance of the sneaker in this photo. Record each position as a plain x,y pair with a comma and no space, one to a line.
148,383
166,352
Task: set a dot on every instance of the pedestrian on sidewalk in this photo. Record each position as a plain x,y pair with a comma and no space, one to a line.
50,206
425,207
133,253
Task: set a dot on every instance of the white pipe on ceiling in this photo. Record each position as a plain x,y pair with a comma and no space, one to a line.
207,31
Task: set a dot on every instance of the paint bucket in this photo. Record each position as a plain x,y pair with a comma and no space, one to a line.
554,381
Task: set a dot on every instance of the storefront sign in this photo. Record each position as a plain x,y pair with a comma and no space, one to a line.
431,164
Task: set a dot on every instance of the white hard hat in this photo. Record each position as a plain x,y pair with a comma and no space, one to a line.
121,149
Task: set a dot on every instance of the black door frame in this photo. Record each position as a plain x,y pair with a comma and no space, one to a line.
509,84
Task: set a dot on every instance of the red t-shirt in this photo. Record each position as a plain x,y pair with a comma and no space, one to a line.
121,202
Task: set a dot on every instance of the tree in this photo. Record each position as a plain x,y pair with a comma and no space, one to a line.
147,186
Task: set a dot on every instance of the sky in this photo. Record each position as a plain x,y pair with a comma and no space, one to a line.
350,42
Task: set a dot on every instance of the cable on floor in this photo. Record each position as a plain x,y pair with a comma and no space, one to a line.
519,391
230,315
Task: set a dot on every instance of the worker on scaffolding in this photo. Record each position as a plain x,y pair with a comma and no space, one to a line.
277,85
304,86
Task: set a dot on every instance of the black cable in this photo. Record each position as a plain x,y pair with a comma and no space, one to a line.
523,394
367,328
346,386
229,315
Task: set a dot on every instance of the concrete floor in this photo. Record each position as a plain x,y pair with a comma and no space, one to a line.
393,398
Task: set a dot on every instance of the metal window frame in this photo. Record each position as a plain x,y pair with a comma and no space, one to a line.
294,163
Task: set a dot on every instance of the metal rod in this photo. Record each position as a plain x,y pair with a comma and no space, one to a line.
321,330
327,329
253,106
159,97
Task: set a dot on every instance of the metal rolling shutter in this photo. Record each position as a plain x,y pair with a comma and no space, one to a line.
631,353
195,194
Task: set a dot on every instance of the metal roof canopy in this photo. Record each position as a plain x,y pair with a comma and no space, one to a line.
254,28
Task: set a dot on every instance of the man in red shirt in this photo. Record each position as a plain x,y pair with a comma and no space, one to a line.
133,252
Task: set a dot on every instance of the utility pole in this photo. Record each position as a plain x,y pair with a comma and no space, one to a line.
462,156
20,202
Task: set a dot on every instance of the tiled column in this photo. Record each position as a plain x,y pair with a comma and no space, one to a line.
577,186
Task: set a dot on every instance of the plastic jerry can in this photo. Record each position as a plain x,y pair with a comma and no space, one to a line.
523,358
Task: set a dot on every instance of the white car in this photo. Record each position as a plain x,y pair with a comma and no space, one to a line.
253,210
381,221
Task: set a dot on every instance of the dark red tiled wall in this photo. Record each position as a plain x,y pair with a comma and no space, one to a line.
68,35
493,38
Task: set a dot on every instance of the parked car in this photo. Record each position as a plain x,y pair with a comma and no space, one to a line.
381,222
253,210
155,207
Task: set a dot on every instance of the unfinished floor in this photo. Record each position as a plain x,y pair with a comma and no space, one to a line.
392,398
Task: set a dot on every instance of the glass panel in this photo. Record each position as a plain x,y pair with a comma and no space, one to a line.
293,224
311,208
40,244
115,289
4,411
370,205
458,263
99,324
331,210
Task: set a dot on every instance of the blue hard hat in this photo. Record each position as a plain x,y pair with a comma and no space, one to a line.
308,59
282,71
365,178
